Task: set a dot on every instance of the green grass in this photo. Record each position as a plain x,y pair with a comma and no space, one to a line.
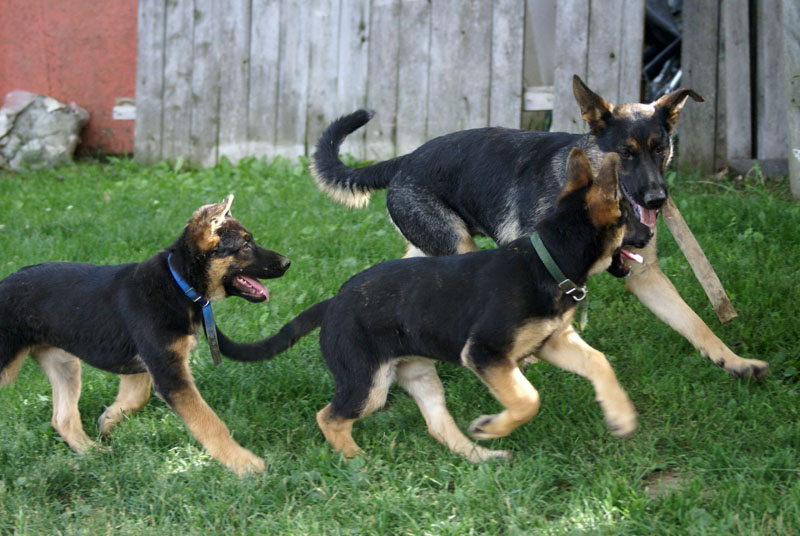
726,450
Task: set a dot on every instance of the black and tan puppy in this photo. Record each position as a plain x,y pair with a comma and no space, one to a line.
488,311
134,320
501,182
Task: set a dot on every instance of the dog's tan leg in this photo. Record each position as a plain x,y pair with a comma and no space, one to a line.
418,376
10,371
134,392
568,351
512,389
64,372
658,294
338,432
204,425
211,432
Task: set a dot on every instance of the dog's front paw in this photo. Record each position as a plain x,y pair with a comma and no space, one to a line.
622,425
746,368
245,463
485,427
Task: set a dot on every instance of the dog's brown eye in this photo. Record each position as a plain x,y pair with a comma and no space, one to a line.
659,149
625,153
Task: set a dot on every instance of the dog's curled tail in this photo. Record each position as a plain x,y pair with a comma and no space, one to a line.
300,326
346,185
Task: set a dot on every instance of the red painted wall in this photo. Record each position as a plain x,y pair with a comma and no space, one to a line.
81,51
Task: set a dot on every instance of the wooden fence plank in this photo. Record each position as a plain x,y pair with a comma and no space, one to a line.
384,47
699,54
771,134
293,78
178,62
603,59
149,80
505,92
263,73
353,64
413,75
630,51
736,36
460,66
572,20
790,13
205,84
234,58
323,105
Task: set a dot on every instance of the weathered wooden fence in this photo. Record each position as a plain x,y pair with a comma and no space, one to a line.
258,77
733,55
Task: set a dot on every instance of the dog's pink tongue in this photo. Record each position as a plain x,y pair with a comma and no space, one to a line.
254,284
648,216
635,257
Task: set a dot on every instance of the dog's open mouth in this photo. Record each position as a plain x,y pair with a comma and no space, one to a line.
251,288
630,256
646,216
619,262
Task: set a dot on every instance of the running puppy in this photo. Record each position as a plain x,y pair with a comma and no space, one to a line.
501,183
488,311
134,320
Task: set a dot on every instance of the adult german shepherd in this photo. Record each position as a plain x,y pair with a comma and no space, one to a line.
134,320
500,183
487,310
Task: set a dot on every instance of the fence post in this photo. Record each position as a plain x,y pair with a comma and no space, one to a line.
791,57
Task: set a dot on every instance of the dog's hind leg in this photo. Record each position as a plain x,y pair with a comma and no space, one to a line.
9,369
64,372
418,376
354,399
568,351
509,386
658,294
134,392
427,224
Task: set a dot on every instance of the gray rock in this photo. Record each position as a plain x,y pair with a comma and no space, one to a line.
38,131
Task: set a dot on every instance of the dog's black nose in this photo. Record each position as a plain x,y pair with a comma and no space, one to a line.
654,199
285,263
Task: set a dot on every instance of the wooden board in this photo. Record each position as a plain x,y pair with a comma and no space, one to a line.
413,75
292,79
177,100
699,262
572,41
234,65
205,83
458,95
699,54
791,55
505,92
771,134
262,95
149,81
354,43
323,73
384,47
736,34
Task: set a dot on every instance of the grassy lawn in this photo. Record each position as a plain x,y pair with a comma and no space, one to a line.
713,454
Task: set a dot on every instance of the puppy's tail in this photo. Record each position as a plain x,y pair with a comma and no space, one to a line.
349,186
302,325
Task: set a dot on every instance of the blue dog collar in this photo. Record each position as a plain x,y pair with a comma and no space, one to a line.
209,326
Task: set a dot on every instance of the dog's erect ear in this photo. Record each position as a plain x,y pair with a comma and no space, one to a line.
594,109
607,179
603,196
579,172
669,106
205,222
219,212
